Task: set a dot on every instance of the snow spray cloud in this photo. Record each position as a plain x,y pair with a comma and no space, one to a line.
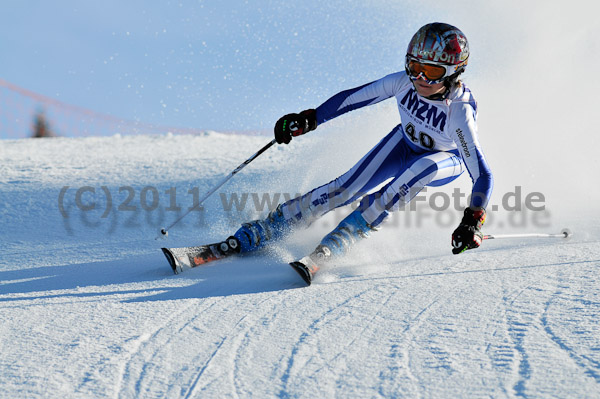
536,125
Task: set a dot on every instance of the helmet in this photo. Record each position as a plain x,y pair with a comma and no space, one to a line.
438,52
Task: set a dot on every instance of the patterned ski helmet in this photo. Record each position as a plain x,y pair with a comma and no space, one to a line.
439,44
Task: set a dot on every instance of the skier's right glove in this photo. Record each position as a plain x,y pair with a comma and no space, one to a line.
292,125
468,234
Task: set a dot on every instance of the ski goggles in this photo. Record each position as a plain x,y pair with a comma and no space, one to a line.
431,73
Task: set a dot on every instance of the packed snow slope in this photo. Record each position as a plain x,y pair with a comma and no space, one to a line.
90,308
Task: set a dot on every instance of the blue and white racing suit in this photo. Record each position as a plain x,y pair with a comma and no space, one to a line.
434,144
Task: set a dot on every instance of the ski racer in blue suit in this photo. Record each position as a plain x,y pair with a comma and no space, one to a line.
435,143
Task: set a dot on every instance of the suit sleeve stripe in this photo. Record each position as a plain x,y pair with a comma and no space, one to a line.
331,108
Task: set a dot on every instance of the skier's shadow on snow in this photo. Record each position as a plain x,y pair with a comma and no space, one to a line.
123,277
235,276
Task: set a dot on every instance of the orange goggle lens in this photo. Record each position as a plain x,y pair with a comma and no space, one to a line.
431,72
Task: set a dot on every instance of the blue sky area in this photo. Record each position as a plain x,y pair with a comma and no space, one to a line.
226,64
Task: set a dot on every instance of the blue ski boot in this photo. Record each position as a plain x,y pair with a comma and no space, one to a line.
337,243
255,234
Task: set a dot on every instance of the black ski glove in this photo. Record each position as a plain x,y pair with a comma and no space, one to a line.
292,125
468,234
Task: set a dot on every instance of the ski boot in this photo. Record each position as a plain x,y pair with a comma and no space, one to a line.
335,244
255,234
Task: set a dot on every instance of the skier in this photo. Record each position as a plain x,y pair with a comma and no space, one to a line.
434,144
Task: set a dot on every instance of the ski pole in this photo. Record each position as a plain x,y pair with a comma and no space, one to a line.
565,233
165,231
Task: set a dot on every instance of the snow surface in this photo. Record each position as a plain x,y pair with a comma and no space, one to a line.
90,308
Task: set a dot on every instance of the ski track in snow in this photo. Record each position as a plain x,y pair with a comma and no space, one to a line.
588,362
101,315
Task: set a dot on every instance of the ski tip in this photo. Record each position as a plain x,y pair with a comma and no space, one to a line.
303,271
567,233
171,259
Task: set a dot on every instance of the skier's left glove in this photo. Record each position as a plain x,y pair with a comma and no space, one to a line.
468,234
292,125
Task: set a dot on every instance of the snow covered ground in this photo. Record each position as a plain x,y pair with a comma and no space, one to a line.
90,308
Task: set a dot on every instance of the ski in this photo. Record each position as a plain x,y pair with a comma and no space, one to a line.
310,264
306,268
184,258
